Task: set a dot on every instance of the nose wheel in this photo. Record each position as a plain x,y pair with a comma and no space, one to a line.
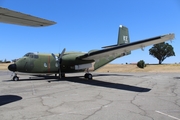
15,78
88,76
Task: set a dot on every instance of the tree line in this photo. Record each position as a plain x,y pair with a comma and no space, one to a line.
5,61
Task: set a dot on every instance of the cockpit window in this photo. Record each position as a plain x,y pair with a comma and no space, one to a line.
36,56
27,54
31,55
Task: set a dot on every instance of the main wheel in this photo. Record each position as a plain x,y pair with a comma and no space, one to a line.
88,76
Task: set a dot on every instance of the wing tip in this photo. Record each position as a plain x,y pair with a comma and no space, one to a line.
18,18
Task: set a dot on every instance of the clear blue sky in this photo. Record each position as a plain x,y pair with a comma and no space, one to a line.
83,25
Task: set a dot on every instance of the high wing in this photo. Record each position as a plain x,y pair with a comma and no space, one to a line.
13,17
121,49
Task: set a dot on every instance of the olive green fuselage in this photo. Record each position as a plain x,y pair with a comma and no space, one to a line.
46,63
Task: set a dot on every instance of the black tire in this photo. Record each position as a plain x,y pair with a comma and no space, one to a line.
88,76
15,78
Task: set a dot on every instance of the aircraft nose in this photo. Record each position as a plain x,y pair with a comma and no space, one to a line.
12,67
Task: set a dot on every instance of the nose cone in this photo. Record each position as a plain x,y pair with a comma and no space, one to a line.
12,67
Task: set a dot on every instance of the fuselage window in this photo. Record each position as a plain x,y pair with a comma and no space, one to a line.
56,64
45,64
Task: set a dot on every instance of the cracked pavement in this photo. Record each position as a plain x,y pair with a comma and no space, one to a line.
110,96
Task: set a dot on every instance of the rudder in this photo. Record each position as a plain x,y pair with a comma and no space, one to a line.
123,35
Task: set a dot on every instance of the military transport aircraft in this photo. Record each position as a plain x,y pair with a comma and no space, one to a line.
71,62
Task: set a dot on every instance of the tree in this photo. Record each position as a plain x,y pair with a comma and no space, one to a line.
141,64
161,51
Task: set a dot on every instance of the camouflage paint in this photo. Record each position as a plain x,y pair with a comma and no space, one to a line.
46,63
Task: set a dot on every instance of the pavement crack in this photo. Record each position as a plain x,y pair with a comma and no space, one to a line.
173,89
139,107
98,110
48,107
140,114
99,96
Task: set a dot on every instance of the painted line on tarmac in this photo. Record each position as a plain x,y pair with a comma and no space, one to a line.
167,115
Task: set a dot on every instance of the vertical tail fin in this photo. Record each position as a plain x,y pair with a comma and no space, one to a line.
123,35
123,38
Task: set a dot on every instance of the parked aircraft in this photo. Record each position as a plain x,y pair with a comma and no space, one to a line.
71,62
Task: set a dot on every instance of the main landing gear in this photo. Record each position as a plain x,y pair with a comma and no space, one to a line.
62,75
88,76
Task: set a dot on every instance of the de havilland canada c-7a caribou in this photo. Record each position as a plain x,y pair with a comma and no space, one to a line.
71,62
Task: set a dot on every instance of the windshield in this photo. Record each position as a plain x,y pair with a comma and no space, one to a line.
31,55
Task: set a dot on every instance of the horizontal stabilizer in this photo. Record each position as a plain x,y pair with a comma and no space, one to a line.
110,46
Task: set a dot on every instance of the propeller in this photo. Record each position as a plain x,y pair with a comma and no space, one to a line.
55,57
59,60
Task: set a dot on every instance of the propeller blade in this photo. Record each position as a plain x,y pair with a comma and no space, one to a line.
62,53
54,56
60,60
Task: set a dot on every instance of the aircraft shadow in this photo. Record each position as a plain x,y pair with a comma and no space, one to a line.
6,99
99,83
43,77
94,82
104,74
176,77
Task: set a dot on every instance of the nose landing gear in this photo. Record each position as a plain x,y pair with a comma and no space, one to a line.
15,77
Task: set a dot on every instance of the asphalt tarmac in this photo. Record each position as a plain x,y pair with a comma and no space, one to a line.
109,96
